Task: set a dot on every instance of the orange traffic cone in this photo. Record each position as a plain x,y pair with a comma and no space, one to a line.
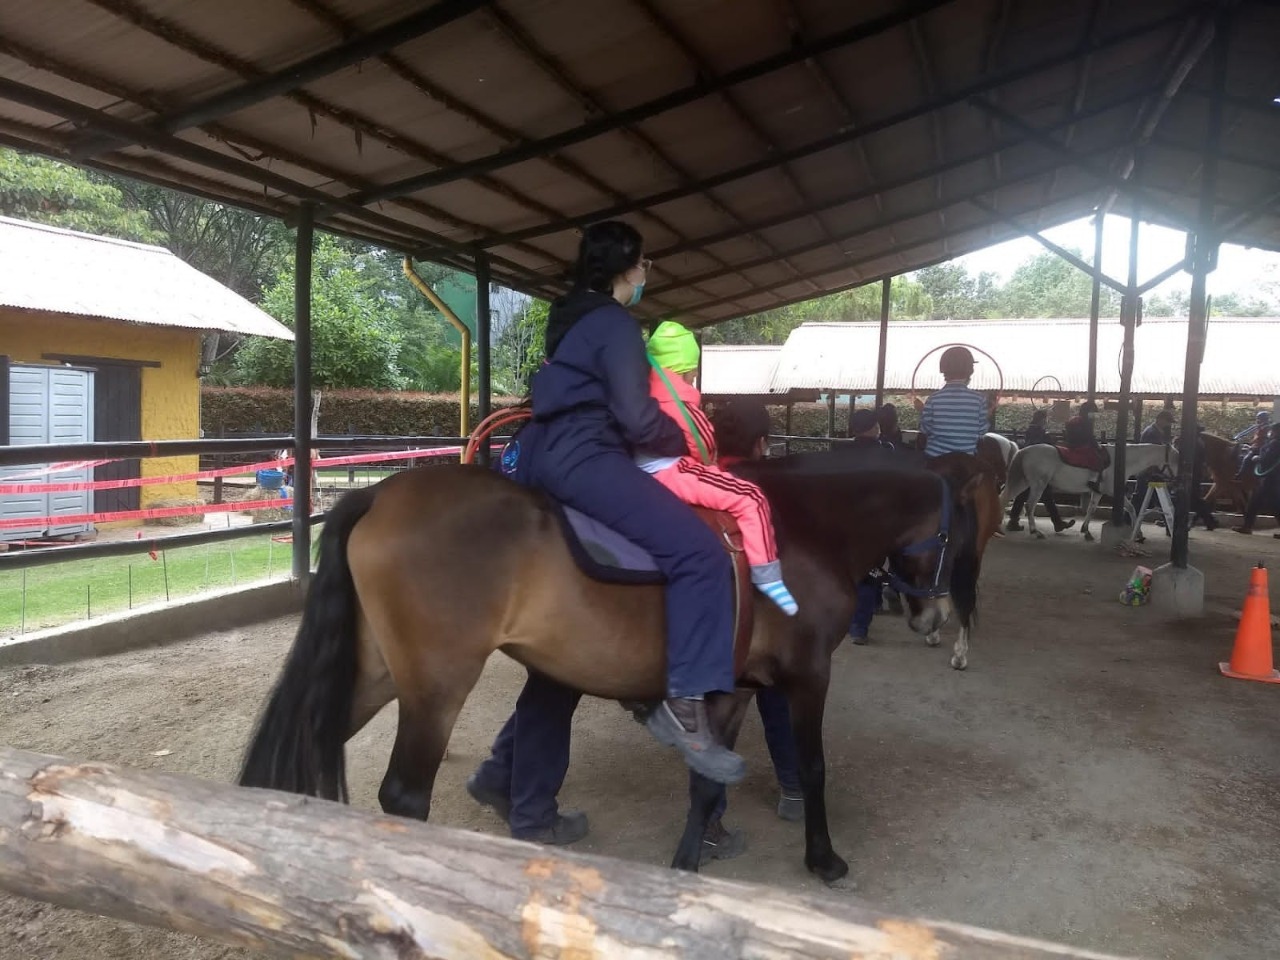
1251,658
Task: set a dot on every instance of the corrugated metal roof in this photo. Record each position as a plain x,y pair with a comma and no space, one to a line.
62,271
769,152
738,370
1049,357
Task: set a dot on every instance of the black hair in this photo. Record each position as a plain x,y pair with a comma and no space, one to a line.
739,425
1039,413
608,249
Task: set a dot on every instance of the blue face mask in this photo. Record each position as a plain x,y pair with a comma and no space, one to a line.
636,294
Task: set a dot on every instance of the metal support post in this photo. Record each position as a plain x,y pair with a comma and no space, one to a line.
1204,258
1129,321
303,246
483,348
831,419
1095,305
886,290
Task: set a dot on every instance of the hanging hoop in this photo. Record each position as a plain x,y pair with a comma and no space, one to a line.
970,346
1049,376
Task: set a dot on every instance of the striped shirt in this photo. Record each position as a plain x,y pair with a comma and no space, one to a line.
954,419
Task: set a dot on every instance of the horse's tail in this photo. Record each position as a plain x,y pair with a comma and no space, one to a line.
298,744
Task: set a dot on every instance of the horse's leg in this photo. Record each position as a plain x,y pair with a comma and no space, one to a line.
726,715
428,711
808,699
960,655
1036,491
374,686
1088,514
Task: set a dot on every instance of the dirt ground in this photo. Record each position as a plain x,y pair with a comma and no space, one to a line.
1090,779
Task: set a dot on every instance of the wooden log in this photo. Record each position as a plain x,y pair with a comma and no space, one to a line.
295,877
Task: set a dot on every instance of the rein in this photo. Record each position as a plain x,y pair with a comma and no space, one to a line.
941,542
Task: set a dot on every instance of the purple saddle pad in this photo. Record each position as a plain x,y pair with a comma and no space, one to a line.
603,553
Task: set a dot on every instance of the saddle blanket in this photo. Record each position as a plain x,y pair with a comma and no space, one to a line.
1088,458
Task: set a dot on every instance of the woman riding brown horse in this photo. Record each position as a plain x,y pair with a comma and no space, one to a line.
424,575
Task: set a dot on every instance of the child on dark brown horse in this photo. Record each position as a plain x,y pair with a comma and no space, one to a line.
697,478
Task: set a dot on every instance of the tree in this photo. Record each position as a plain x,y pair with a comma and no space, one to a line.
355,342
518,349
908,301
1048,286
52,193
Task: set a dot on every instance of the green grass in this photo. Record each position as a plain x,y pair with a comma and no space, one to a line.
66,592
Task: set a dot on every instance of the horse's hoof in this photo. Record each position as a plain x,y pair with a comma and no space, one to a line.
832,869
1037,534
932,639
959,663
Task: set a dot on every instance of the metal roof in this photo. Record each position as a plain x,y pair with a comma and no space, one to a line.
769,150
61,271
738,370
1044,357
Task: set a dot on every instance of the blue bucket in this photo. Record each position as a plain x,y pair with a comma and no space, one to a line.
271,479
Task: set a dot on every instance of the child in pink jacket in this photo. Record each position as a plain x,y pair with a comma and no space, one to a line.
695,478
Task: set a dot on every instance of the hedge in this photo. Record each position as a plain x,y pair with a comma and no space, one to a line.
230,410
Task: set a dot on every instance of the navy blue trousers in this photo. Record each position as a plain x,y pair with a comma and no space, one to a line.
609,487
775,717
868,603
530,757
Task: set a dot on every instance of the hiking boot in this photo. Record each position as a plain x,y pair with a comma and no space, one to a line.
568,827
1247,531
1065,525
486,796
1013,526
719,843
682,722
858,635
791,805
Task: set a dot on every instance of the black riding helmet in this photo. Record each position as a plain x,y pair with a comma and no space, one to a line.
956,363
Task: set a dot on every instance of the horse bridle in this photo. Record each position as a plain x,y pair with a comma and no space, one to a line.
941,542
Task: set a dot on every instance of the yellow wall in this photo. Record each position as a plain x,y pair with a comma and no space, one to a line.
170,392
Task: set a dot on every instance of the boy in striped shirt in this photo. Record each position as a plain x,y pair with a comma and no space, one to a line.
955,418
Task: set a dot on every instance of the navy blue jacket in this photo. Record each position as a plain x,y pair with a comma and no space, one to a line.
592,395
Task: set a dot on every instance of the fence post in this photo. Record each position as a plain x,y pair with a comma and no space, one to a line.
302,398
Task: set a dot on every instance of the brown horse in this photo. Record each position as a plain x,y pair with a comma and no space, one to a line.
1222,457
424,575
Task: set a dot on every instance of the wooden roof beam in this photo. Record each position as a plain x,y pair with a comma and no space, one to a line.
750,169
96,120
951,234
633,115
360,126
761,136
1053,144
484,121
299,74
517,35
869,228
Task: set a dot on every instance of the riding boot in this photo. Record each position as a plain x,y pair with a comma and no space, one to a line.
682,722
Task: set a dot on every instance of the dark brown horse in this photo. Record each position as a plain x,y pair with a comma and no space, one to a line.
426,574
1222,457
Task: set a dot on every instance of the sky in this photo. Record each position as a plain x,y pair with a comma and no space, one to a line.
1240,269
